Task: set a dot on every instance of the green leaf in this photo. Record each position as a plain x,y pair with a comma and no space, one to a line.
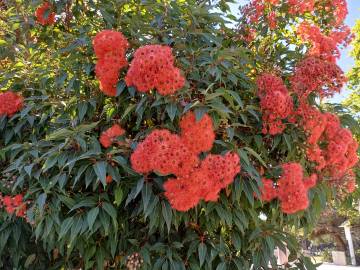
128,110
120,87
60,134
287,140
82,107
230,132
86,202
50,162
171,109
167,214
146,195
202,253
65,226
200,112
86,127
29,260
110,210
119,195
100,258
135,191
221,266
236,97
91,216
252,152
236,240
100,170
28,169
41,202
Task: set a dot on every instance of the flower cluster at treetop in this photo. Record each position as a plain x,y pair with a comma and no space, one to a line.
153,67
167,153
44,14
324,46
110,48
291,188
258,8
315,75
10,103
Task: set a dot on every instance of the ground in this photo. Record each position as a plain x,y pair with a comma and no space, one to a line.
326,266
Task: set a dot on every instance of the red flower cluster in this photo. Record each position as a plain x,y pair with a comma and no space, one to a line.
337,9
272,20
109,179
312,121
275,102
324,46
301,6
168,153
256,9
153,67
330,146
44,14
253,11
269,190
341,150
315,75
109,136
10,103
165,153
198,136
15,205
340,10
110,48
291,189
205,182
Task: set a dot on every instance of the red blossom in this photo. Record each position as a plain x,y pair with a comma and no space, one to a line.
10,103
153,67
221,171
315,75
198,136
301,6
275,102
110,48
44,14
331,147
109,179
109,136
181,194
291,189
268,191
324,46
15,205
272,20
165,153
204,183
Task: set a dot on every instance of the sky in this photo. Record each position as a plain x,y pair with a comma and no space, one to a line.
345,62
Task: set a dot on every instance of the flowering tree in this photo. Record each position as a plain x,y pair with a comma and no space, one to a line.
168,134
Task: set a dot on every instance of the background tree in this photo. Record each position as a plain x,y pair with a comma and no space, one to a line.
80,185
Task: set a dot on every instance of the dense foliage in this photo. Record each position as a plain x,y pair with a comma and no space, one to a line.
168,134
